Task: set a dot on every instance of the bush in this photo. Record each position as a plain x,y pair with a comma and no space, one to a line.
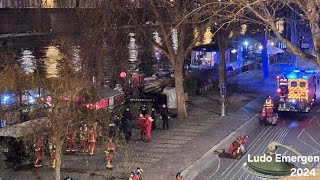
190,85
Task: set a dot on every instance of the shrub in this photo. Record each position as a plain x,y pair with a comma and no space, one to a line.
190,85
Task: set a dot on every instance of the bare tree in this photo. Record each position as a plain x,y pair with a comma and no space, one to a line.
69,92
175,20
269,12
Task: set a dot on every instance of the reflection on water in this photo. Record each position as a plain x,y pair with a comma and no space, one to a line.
76,59
52,57
27,61
45,60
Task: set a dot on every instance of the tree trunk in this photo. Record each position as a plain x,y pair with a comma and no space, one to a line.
58,165
178,76
222,68
223,46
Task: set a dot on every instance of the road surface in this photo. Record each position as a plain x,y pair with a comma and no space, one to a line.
298,130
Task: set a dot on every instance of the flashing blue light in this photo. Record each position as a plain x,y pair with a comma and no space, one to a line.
32,100
7,99
296,71
292,76
309,71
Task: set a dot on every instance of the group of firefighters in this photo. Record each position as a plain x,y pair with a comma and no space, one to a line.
88,137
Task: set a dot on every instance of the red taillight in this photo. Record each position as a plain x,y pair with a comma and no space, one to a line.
278,90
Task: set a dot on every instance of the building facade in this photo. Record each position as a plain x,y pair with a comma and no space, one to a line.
50,3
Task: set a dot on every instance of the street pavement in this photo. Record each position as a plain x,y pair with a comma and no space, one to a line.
173,150
297,130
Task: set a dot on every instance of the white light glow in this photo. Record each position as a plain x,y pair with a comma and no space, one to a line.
133,48
174,32
157,51
27,61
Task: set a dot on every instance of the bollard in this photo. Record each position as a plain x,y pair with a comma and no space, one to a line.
223,108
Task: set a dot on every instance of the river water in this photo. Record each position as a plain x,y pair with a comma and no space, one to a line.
43,56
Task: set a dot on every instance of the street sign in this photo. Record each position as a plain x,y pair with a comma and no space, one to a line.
223,89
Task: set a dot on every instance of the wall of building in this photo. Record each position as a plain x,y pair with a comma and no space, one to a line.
30,20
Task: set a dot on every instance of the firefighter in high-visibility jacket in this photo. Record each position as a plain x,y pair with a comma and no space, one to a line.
38,145
71,139
83,138
92,137
268,106
109,150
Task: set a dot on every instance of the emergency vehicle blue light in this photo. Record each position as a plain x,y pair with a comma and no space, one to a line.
292,76
309,71
32,100
296,71
7,99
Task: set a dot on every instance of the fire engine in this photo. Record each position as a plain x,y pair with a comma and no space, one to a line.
297,90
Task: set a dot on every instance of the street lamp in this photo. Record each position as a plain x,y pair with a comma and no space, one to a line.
246,43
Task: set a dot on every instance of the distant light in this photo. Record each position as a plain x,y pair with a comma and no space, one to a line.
305,77
278,77
32,100
246,43
307,91
260,47
123,74
6,98
272,43
233,51
296,71
214,52
309,71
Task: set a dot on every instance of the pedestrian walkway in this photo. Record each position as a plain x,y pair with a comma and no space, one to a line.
169,151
